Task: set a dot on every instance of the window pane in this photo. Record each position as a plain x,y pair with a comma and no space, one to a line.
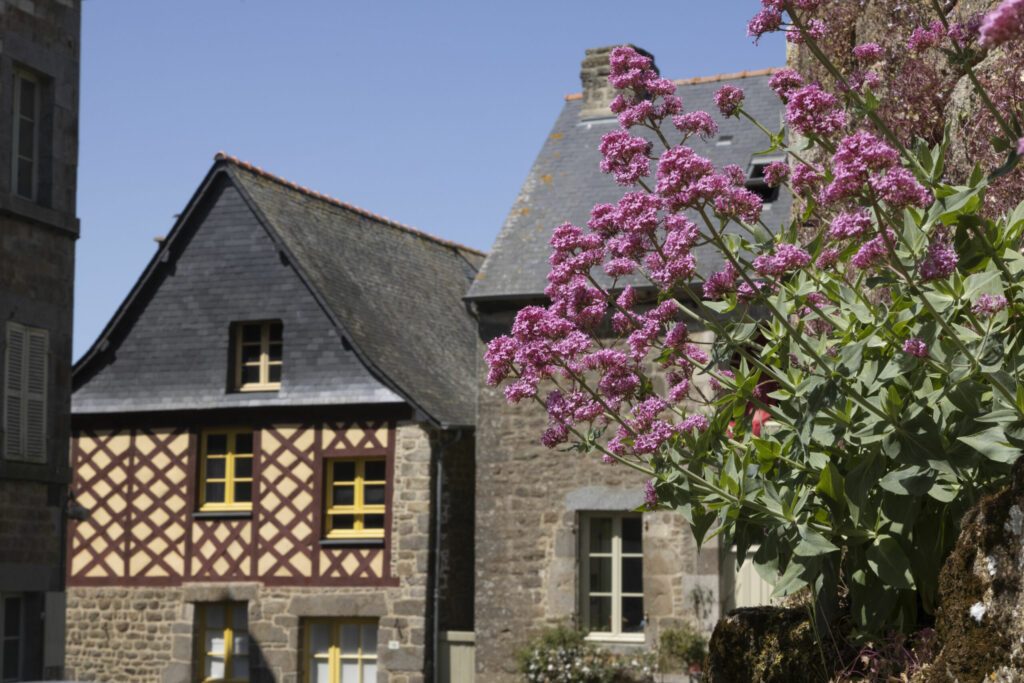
25,173
12,617
275,373
319,668
343,522
320,638
250,374
632,615
343,495
600,574
214,667
344,470
349,639
215,468
374,494
217,444
633,575
632,531
373,521
12,659
275,331
369,640
243,443
250,333
370,672
600,614
350,672
243,492
214,641
375,470
601,535
28,98
215,492
250,354
243,468
240,667
275,352
26,139
241,643
214,614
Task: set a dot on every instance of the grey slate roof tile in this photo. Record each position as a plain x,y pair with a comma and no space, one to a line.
565,182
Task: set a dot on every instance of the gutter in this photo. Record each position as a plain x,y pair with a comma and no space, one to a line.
457,436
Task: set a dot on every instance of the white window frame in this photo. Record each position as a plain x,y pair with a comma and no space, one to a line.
264,363
20,637
617,555
26,387
16,151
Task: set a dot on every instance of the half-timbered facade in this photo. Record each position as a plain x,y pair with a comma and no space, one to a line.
273,438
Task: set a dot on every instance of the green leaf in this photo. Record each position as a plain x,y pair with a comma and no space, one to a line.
909,481
830,483
992,444
812,543
889,563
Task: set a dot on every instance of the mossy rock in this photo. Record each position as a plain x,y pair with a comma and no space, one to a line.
767,645
981,594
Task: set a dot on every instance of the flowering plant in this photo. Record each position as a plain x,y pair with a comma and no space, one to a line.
837,390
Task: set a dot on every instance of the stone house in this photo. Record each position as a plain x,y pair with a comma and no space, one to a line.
39,65
274,439
559,538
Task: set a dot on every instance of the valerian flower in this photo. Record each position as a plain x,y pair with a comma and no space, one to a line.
915,346
729,99
926,37
696,123
1003,24
940,260
869,53
811,110
988,305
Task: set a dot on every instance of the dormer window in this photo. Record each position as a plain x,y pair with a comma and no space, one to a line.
756,184
258,354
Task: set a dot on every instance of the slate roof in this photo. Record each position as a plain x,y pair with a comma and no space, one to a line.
394,293
566,182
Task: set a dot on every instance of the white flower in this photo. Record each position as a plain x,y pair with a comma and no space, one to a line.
978,611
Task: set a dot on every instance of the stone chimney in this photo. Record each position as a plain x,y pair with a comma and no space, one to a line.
597,94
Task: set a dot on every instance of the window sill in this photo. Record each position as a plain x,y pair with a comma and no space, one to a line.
222,514
348,542
621,638
258,388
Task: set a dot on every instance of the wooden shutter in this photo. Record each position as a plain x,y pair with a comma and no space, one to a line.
25,392
35,395
14,392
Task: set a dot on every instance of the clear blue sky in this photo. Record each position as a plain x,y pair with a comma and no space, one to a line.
427,112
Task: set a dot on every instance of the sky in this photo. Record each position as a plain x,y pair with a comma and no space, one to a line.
430,113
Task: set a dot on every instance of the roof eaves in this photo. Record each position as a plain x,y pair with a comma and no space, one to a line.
697,80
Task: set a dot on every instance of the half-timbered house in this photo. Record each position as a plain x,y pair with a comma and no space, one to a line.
273,438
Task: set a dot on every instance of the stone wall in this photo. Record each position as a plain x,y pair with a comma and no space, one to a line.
148,634
529,500
135,632
30,532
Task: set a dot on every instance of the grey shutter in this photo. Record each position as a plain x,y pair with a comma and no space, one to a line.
14,391
35,395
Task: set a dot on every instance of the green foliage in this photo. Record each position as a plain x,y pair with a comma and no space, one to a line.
872,455
681,648
563,655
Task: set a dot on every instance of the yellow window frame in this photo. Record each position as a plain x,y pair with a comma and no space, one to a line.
231,457
264,363
359,508
334,655
229,642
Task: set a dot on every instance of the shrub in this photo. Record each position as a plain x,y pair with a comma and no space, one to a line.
563,655
681,649
863,387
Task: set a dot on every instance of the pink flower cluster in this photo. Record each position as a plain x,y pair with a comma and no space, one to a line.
924,38
988,305
1003,24
915,346
812,111
941,258
862,159
729,99
869,53
786,258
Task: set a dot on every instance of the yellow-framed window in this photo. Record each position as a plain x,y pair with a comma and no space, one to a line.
339,651
222,642
355,497
258,355
612,576
225,482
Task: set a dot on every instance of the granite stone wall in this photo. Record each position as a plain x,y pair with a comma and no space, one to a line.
529,500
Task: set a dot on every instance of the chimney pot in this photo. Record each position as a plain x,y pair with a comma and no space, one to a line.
597,93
